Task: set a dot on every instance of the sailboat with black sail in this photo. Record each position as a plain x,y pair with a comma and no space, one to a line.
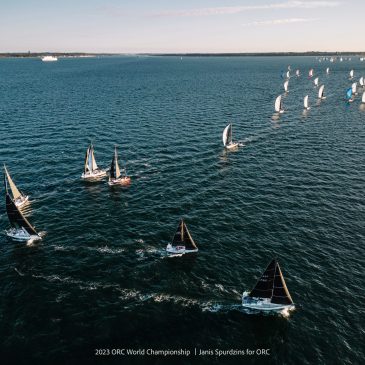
19,198
270,293
182,242
115,176
21,229
91,169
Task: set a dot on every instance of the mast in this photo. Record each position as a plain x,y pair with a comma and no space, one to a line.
16,218
231,133
14,190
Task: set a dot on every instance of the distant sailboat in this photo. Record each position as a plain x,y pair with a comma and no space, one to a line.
278,105
297,73
182,241
354,88
361,81
19,198
363,97
321,92
91,170
349,97
270,293
286,84
328,70
351,74
288,74
316,81
227,138
115,177
306,104
21,229
310,74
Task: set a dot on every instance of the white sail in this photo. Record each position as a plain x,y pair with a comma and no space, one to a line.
363,97
286,83
297,73
320,91
354,87
288,74
278,104
361,81
14,190
327,70
306,101
316,81
352,73
226,135
310,72
94,166
117,169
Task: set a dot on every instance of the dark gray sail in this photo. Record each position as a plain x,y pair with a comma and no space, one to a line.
16,218
182,237
272,285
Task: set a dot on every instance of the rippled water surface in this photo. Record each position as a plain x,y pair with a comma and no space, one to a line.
100,278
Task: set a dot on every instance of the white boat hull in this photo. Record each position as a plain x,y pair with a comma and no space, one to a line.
178,250
263,304
231,146
95,175
21,235
120,181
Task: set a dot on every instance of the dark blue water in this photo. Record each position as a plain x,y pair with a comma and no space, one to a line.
100,278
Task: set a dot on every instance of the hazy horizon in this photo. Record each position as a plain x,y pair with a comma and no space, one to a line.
216,26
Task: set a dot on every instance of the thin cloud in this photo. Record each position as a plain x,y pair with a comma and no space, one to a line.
280,22
227,10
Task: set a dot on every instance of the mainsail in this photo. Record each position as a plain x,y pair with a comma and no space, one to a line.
327,70
361,81
227,135
182,237
354,87
114,166
320,91
90,163
310,74
363,97
352,73
14,190
16,218
272,285
316,81
306,101
349,93
278,104
286,83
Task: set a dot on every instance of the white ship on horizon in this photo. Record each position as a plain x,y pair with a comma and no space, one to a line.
49,58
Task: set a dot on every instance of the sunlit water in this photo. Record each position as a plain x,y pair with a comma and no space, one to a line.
100,277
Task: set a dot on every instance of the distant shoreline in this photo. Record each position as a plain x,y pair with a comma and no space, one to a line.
249,54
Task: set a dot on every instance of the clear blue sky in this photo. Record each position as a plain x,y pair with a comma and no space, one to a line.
131,26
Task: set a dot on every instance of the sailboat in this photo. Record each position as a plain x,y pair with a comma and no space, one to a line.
316,81
361,81
306,104
288,74
182,241
297,73
278,105
354,88
363,97
227,138
349,97
91,170
327,70
19,198
115,177
270,293
351,74
310,74
21,229
321,92
286,84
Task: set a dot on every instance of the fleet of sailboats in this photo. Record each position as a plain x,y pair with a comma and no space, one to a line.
270,294
182,242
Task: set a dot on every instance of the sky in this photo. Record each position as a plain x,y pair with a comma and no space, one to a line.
155,26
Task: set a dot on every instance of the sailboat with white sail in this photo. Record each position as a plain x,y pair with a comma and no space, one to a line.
286,85
182,242
351,74
297,73
327,70
19,198
21,230
363,97
270,293
361,81
91,169
306,103
278,105
310,73
354,88
316,81
115,175
227,138
321,93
